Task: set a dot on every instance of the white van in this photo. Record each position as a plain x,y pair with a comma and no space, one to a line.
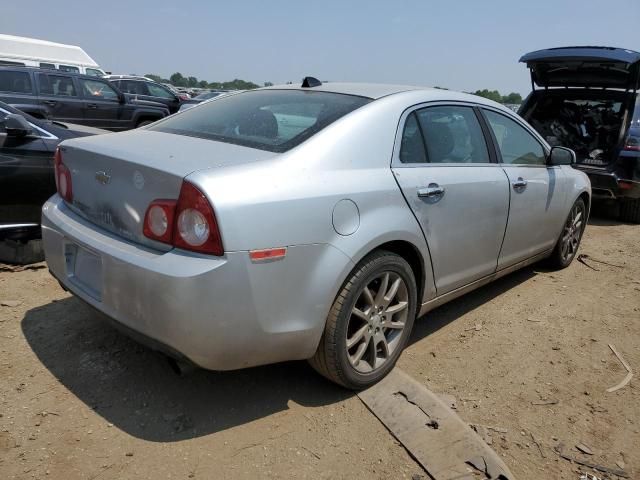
31,52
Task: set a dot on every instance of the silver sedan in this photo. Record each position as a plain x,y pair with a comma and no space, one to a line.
307,222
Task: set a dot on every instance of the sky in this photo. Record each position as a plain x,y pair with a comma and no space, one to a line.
462,45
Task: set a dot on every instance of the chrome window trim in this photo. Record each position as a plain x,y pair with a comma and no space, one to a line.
395,159
44,134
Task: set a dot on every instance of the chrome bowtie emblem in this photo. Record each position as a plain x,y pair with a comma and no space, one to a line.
103,178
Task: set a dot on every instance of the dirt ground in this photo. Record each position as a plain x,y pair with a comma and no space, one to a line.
528,354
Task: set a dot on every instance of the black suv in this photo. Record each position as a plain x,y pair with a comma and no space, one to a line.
145,89
589,101
75,98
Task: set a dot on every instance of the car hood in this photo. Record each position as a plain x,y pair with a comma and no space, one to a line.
605,67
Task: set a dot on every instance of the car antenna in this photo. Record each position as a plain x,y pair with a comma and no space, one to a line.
309,82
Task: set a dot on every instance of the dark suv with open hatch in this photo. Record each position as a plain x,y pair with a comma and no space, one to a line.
587,99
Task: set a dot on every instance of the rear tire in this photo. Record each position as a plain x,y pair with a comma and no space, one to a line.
567,246
630,210
359,349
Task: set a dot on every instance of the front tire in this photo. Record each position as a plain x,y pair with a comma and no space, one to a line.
567,246
369,323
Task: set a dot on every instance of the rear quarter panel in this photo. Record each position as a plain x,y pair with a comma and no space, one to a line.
290,199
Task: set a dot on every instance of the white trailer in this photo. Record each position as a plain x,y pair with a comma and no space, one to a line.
31,52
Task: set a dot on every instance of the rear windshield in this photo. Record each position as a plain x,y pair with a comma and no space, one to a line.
272,120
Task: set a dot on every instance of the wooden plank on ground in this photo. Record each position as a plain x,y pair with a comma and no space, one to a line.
434,435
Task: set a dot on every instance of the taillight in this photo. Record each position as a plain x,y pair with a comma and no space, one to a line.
632,143
63,177
196,227
187,223
158,221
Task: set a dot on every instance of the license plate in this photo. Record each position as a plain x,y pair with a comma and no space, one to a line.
84,270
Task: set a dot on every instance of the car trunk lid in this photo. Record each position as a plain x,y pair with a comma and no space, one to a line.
116,176
603,67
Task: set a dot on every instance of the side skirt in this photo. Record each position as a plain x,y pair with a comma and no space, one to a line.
458,292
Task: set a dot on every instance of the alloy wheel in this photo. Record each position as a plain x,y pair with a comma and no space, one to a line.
377,322
572,232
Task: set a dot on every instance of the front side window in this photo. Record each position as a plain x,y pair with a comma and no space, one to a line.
15,82
272,120
58,85
68,69
158,91
97,90
517,146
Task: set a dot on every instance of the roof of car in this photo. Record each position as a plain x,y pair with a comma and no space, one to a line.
379,90
49,71
370,90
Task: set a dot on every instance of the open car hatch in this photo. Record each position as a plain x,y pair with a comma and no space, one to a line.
603,67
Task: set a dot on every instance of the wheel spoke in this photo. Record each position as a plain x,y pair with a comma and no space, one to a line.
393,325
368,296
391,292
398,307
380,339
384,284
356,337
360,314
362,348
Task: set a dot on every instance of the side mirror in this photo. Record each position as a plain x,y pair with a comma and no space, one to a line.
16,125
561,156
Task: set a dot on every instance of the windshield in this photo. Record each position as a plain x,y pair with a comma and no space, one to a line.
272,120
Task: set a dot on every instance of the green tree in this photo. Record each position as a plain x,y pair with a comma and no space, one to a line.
490,94
178,80
154,77
203,84
512,98
192,82
268,84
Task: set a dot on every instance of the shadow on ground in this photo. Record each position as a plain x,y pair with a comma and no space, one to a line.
134,387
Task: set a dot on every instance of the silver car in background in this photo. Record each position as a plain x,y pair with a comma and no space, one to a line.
307,222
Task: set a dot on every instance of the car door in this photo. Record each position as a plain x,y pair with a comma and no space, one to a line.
59,95
455,188
537,191
26,174
102,107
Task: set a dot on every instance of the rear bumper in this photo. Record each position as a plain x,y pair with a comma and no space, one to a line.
221,313
605,184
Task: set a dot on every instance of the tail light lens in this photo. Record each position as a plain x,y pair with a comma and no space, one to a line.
196,227
158,221
187,223
632,143
63,177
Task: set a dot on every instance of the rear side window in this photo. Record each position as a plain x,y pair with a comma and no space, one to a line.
272,120
48,66
58,85
158,91
15,82
97,90
134,88
451,134
517,146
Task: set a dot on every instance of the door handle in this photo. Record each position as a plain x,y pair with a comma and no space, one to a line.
92,105
519,183
50,102
433,190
